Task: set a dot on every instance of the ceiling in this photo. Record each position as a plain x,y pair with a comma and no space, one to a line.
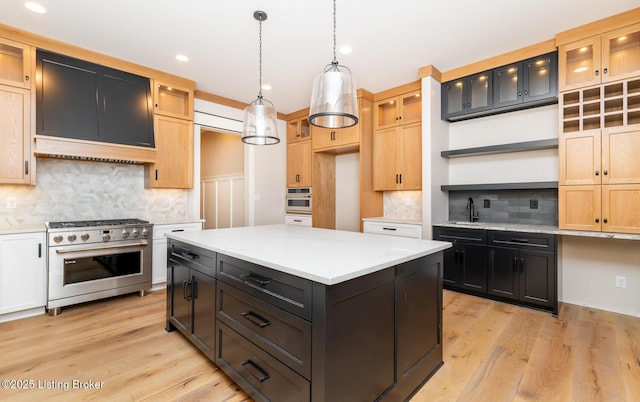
391,40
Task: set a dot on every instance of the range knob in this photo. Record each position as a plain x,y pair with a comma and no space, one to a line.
125,234
84,236
135,233
57,238
71,238
106,237
145,232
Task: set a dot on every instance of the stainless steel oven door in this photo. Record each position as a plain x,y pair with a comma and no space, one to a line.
299,204
84,269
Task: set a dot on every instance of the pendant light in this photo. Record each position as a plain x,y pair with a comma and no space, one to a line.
260,122
334,102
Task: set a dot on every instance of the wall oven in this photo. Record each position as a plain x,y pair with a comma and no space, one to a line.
97,259
299,200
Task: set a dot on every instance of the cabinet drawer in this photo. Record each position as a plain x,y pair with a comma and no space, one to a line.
159,230
467,235
193,257
262,376
283,335
393,229
531,241
300,220
289,292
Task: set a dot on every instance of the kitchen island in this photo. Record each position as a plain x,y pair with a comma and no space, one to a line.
306,314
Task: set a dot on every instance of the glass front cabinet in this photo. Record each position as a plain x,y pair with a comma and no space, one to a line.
467,95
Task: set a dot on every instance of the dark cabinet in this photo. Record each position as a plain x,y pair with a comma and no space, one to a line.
465,264
467,95
522,267
524,84
514,267
86,101
191,292
528,81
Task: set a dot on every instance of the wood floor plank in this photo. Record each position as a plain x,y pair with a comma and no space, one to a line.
492,352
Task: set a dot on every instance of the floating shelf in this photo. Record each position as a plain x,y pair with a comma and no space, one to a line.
501,186
502,148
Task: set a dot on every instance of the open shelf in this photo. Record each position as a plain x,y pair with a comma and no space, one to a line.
502,148
501,186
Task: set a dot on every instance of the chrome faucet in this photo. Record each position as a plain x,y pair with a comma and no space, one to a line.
473,215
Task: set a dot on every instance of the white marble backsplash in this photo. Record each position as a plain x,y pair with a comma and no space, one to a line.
81,190
403,204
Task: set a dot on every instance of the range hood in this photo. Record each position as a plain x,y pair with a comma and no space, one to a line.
69,148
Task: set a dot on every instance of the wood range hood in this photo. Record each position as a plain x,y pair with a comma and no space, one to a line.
68,148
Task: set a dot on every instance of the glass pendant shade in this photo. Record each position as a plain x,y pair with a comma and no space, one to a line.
334,101
260,125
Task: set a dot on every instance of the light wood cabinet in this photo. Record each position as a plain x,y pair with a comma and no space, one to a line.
579,207
299,164
331,138
611,56
298,130
398,110
398,158
15,63
172,101
174,163
16,156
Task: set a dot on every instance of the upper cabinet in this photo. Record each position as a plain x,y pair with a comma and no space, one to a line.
298,130
173,101
174,144
331,138
520,85
465,96
398,110
526,81
15,64
611,56
16,156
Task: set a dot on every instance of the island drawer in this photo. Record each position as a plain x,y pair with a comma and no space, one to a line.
283,335
466,235
193,257
289,292
259,374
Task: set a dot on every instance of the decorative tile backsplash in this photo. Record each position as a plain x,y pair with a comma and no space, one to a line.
79,190
403,204
507,206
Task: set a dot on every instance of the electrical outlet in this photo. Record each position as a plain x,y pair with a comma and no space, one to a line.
621,282
12,202
533,204
487,203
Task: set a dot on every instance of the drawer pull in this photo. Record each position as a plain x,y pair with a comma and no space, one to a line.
520,240
189,255
256,319
177,230
262,375
392,229
257,279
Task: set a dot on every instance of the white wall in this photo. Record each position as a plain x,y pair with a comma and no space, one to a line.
348,192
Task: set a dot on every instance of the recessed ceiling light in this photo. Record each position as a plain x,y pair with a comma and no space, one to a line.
346,49
182,57
35,7
266,87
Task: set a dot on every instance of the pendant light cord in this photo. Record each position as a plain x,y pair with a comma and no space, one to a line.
335,60
260,60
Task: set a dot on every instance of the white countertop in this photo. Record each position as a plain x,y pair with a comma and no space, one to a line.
322,255
16,229
537,229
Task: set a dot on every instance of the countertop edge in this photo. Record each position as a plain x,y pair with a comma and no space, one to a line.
538,229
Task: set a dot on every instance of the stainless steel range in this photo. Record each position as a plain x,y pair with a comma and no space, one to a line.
90,260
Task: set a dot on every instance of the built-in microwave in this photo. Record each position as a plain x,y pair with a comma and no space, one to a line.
299,200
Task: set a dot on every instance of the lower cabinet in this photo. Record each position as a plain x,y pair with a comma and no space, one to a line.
159,264
191,292
23,271
515,267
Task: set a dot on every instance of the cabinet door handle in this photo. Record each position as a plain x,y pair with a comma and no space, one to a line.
257,279
456,256
26,78
605,220
392,229
605,172
256,319
597,173
156,174
177,230
519,93
597,220
400,178
39,250
462,257
520,240
184,290
597,72
522,265
605,70
515,264
396,179
26,167
526,92
262,375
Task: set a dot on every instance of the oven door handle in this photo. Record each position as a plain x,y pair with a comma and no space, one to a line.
74,249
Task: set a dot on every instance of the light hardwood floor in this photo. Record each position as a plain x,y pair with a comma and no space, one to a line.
492,352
